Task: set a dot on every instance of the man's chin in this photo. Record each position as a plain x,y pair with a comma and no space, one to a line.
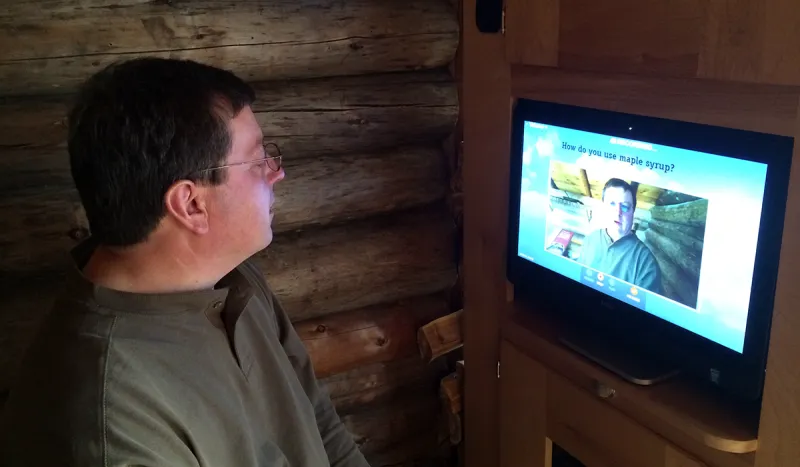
616,233
268,238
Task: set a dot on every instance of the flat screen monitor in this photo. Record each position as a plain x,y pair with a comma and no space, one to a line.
677,221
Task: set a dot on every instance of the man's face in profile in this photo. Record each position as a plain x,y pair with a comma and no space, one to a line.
619,212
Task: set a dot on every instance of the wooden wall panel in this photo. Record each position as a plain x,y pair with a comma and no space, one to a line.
52,46
763,108
653,37
734,32
754,41
781,54
532,30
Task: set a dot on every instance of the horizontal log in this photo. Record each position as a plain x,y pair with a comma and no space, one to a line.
53,46
361,263
39,230
688,260
688,236
353,186
691,213
378,333
667,197
379,382
44,216
398,430
305,118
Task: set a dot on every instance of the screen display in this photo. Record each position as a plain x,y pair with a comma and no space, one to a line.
670,231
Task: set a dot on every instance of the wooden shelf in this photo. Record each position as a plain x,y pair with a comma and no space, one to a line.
681,410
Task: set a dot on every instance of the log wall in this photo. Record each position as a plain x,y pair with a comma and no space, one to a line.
675,235
358,96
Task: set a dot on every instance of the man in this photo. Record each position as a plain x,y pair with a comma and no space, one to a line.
167,348
614,249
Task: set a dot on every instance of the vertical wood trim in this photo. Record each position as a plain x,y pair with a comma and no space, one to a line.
486,117
532,28
779,430
523,409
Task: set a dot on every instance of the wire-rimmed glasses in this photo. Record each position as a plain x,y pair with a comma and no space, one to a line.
273,159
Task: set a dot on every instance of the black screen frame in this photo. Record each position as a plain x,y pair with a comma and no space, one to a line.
740,375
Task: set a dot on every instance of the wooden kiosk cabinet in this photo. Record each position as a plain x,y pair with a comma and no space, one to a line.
549,394
733,63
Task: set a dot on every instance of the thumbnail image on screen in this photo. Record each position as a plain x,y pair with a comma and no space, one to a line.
670,231
646,236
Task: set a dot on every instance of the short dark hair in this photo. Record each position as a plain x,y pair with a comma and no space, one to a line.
136,127
619,183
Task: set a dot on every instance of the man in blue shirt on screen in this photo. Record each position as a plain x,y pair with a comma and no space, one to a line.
614,249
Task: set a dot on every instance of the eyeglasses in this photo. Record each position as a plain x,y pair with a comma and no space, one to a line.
273,159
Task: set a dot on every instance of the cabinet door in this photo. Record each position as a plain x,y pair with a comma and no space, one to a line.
597,433
523,405
740,40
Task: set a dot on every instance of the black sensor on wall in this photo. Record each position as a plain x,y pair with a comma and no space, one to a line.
489,15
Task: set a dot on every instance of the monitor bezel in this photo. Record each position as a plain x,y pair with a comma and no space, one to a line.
741,373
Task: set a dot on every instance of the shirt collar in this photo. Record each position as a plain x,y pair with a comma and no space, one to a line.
210,301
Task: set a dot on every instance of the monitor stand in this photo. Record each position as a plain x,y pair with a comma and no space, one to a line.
629,364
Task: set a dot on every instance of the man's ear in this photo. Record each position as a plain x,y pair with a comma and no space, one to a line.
187,204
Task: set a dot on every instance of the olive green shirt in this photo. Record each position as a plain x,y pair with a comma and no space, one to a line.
627,259
216,377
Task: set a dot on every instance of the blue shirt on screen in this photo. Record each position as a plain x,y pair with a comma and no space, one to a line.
627,259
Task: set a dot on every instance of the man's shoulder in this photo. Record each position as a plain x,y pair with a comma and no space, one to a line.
593,240
638,244
641,250
59,391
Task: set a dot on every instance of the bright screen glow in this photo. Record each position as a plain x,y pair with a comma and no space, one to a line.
674,233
